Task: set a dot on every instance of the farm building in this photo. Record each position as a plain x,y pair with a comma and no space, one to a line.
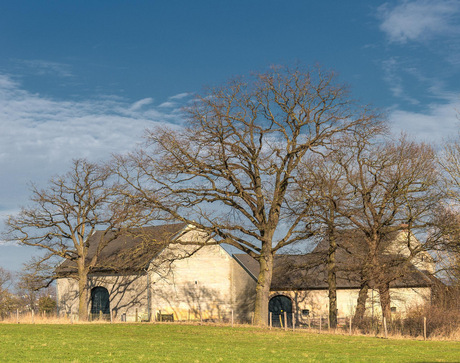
144,276
299,282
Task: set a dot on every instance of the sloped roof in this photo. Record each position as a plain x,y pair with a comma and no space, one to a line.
309,271
130,251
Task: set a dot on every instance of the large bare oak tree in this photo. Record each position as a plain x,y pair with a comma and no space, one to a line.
229,170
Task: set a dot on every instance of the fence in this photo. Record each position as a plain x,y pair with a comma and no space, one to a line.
317,324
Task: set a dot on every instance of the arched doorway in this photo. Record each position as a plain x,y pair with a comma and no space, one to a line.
278,305
100,302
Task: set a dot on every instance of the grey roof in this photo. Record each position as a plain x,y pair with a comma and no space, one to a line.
309,271
130,251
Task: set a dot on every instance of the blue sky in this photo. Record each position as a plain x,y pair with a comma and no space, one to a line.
85,78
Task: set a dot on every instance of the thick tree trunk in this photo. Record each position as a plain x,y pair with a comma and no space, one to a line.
385,300
361,304
263,289
332,281
83,296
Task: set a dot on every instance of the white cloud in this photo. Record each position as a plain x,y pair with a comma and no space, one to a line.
168,104
438,123
179,96
6,83
40,136
139,104
419,20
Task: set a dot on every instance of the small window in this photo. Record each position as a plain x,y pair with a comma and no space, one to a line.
393,309
305,312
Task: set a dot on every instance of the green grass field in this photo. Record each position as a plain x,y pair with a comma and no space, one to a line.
188,343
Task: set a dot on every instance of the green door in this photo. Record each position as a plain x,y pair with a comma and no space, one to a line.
100,302
277,306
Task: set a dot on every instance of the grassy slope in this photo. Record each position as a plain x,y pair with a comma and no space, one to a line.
185,343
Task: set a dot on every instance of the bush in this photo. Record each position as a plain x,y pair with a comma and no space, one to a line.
442,322
47,305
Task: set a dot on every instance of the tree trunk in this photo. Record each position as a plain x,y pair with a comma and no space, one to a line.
263,289
332,281
361,304
385,300
83,296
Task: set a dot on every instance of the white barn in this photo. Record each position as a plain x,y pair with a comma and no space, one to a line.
144,277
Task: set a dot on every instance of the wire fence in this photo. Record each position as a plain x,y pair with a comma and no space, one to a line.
285,321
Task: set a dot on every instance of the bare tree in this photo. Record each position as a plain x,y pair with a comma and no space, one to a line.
8,302
229,170
67,212
5,280
445,232
321,185
394,185
27,287
444,237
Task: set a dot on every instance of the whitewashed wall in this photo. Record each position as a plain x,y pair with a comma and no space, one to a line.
317,301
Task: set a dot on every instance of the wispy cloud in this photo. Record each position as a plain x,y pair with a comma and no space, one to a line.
179,96
392,76
41,135
42,68
168,104
419,19
139,104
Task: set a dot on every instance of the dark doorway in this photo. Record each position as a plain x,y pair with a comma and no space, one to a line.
278,305
100,303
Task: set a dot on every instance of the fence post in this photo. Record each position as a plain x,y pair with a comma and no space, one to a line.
293,322
17,316
328,322
385,327
33,316
271,320
320,322
232,318
285,321
111,316
349,319
424,328
136,315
